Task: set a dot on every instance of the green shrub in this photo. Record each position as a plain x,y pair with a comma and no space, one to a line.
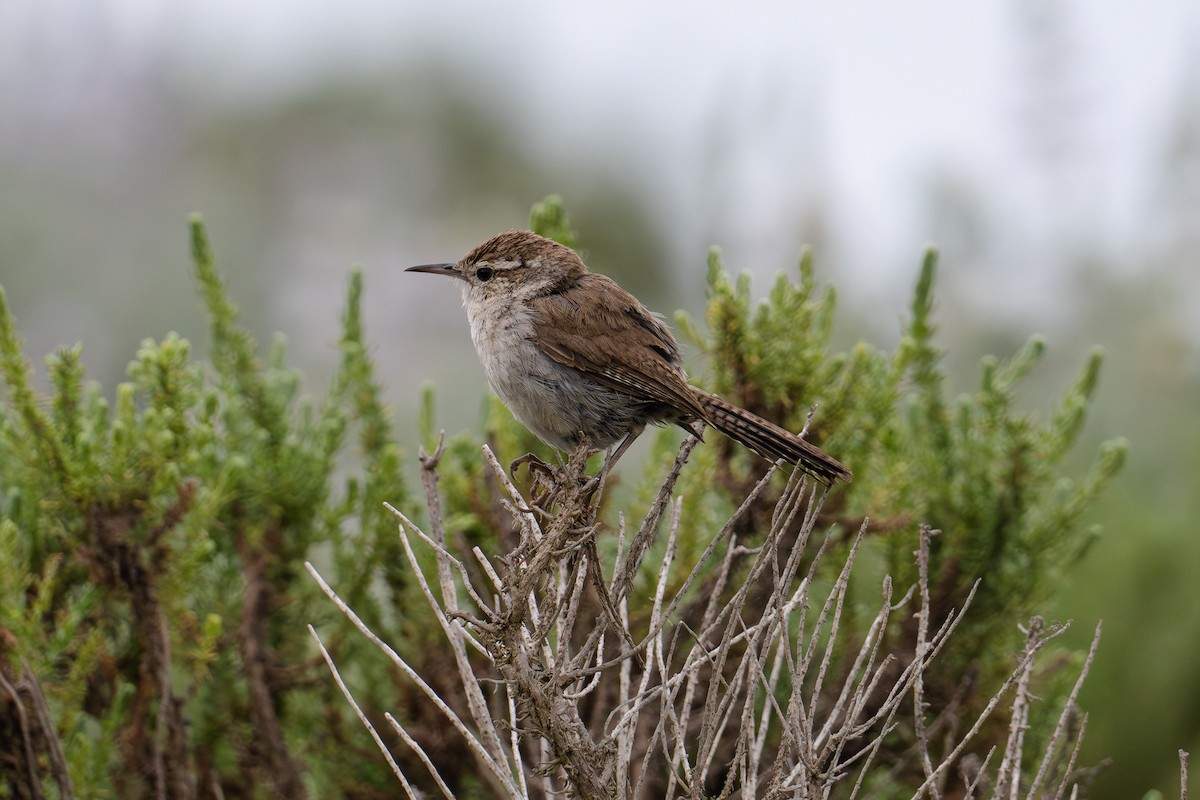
153,605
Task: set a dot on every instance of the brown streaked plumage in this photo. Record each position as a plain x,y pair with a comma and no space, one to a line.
571,353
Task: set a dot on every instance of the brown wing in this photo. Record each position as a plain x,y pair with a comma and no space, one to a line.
598,328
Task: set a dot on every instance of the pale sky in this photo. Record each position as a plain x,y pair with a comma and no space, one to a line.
877,96
1053,114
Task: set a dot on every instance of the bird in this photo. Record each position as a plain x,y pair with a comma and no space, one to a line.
572,354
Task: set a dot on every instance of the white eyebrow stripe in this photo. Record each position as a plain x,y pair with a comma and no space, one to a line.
503,265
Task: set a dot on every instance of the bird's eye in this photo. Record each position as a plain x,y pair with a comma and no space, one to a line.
484,274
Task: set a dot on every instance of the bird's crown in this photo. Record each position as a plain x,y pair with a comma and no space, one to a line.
522,250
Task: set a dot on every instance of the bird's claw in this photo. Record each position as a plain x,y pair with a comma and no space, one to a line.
535,465
548,481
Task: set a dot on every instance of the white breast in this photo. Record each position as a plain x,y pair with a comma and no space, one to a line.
516,369
555,402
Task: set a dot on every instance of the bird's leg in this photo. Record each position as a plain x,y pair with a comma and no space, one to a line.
620,451
610,460
548,477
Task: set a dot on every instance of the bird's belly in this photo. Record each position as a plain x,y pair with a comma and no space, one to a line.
555,402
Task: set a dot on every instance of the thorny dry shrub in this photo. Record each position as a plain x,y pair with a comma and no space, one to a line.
730,677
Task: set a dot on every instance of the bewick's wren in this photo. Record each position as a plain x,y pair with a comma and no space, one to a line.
571,353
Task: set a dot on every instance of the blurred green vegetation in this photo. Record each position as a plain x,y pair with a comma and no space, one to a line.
150,572
152,579
421,156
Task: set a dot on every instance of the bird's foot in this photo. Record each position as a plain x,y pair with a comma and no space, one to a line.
550,481
545,480
536,465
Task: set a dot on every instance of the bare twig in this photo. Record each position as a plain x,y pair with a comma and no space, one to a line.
1063,720
1008,782
54,752
748,676
1027,657
922,555
32,783
498,770
362,717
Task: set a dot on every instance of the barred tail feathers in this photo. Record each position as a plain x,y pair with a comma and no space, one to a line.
769,440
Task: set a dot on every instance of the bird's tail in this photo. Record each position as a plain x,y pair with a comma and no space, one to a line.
768,439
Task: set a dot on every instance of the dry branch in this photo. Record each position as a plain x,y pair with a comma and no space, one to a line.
738,675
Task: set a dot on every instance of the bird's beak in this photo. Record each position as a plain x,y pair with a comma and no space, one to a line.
449,270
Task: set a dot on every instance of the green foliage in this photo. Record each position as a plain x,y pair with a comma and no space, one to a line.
991,478
151,545
151,558
549,218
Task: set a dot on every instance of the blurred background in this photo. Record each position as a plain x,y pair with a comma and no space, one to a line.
1050,148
